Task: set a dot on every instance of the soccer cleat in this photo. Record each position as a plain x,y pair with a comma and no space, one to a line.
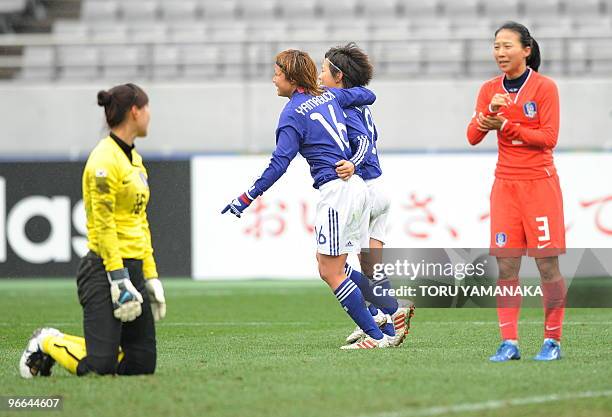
380,318
401,323
505,352
368,343
34,362
551,350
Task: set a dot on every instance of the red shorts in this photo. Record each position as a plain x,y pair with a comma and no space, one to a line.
527,217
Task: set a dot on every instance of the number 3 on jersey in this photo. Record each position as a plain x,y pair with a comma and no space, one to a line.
339,134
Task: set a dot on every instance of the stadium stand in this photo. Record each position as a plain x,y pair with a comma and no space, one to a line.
156,38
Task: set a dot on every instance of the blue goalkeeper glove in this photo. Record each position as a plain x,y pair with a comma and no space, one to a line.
238,205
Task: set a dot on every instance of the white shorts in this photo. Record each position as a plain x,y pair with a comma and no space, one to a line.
380,210
343,212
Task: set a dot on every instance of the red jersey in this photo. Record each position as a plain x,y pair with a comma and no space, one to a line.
527,138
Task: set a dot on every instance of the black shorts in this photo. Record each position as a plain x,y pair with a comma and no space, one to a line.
104,334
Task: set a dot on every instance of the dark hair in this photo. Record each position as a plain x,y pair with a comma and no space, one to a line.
119,100
354,64
534,59
299,68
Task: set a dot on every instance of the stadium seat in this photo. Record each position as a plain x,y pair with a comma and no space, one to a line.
583,8
481,64
444,57
121,62
148,32
233,59
600,54
553,55
99,10
189,32
458,9
199,61
380,9
165,59
339,9
309,30
37,63
396,29
70,30
398,59
546,27
139,10
501,10
419,9
578,52
12,6
77,63
431,28
180,10
233,31
261,9
594,26
342,32
546,8
109,32
305,9
269,31
220,9
260,60
475,27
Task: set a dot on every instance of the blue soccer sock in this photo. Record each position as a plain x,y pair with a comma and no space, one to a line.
372,308
388,304
351,299
388,329
385,303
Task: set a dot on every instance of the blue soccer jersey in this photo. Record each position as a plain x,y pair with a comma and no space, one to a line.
314,126
362,136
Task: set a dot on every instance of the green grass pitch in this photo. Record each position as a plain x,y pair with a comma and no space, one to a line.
268,348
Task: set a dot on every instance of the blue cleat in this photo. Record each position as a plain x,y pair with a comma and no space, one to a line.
505,352
551,350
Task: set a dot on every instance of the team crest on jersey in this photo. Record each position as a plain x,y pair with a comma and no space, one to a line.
501,239
144,179
530,109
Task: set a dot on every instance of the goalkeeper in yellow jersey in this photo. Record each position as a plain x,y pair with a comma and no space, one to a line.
117,281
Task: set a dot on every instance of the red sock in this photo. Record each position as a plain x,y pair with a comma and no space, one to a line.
508,309
554,308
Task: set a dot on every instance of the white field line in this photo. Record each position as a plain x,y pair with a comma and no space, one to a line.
491,404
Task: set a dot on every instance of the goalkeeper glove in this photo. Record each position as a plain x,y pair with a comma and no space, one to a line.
157,298
239,204
125,297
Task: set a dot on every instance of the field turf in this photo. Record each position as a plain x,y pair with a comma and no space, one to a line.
269,348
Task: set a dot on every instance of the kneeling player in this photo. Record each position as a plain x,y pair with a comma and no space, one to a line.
117,280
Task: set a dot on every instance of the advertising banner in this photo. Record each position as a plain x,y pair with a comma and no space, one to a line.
437,201
42,220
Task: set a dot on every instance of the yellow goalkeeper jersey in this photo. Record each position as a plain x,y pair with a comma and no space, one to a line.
115,195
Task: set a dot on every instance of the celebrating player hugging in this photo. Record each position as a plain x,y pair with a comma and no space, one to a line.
313,124
346,67
526,203
117,280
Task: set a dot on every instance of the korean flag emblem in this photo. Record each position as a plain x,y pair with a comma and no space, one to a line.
530,109
500,239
